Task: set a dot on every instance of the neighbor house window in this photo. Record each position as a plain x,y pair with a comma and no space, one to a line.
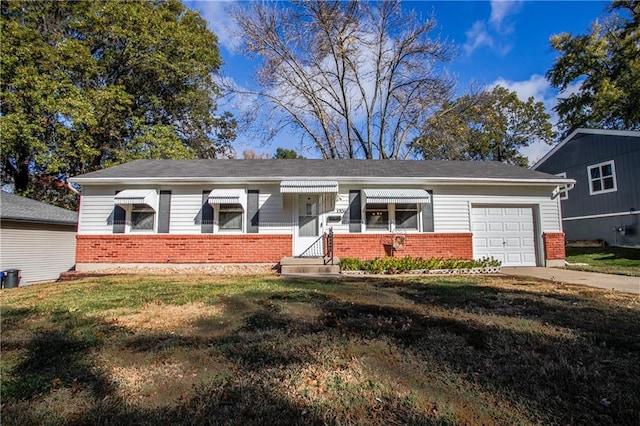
564,193
142,217
377,216
230,217
407,217
602,178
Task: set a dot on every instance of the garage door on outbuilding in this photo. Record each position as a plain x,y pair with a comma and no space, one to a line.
505,233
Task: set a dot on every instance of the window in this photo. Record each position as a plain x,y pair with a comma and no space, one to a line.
142,217
407,216
563,189
377,216
230,217
602,178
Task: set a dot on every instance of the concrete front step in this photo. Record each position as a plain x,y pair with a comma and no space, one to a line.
310,269
306,261
308,266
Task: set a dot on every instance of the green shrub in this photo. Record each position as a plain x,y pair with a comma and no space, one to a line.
401,265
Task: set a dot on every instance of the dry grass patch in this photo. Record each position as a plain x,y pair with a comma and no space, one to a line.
158,317
257,350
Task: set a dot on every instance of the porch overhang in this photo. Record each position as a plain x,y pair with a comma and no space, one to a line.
148,197
309,187
396,196
225,196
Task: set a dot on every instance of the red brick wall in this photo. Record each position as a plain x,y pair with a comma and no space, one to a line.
209,248
554,245
370,246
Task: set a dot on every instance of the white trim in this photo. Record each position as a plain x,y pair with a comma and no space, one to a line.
596,216
630,133
350,180
601,178
563,190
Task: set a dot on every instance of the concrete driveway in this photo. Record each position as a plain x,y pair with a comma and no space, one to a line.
592,279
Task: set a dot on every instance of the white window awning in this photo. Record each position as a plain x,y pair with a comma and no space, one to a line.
147,197
396,196
308,186
225,196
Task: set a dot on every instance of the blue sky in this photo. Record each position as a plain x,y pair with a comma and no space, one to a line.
498,42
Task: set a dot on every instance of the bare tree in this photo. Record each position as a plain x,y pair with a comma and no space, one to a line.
250,154
357,79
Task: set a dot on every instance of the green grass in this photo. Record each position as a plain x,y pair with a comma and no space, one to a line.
265,350
608,260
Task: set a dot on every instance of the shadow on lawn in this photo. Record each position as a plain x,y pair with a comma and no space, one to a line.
60,359
557,378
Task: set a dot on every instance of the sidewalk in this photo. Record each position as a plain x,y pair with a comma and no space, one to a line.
592,279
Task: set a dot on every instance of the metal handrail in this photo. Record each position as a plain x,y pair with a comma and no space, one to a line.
329,252
322,247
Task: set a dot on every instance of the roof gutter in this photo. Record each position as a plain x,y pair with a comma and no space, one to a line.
345,180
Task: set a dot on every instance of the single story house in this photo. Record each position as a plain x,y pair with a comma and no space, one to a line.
151,212
37,238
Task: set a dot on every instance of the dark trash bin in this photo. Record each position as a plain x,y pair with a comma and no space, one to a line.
11,278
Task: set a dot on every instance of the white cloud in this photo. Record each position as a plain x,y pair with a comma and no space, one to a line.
477,36
500,9
218,16
495,32
536,86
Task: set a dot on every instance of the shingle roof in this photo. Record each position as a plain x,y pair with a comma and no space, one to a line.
305,168
16,208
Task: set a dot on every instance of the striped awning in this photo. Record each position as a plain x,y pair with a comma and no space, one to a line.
225,196
147,197
308,186
396,196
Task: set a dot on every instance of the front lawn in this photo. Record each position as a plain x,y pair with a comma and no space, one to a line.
266,350
608,260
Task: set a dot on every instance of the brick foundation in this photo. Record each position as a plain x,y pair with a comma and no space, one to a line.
370,246
554,246
246,248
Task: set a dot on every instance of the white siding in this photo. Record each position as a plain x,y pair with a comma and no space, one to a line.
450,213
275,212
96,209
186,203
40,251
451,204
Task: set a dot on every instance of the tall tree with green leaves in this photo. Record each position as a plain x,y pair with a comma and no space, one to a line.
89,84
604,65
286,154
488,126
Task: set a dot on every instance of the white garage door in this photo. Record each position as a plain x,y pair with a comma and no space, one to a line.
504,233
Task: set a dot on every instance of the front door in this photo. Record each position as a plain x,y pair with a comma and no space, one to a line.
308,224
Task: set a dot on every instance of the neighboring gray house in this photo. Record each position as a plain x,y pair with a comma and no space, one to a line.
37,238
158,212
605,202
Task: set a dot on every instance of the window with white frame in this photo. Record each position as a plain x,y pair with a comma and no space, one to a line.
563,189
602,178
406,217
391,217
230,217
377,216
142,217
